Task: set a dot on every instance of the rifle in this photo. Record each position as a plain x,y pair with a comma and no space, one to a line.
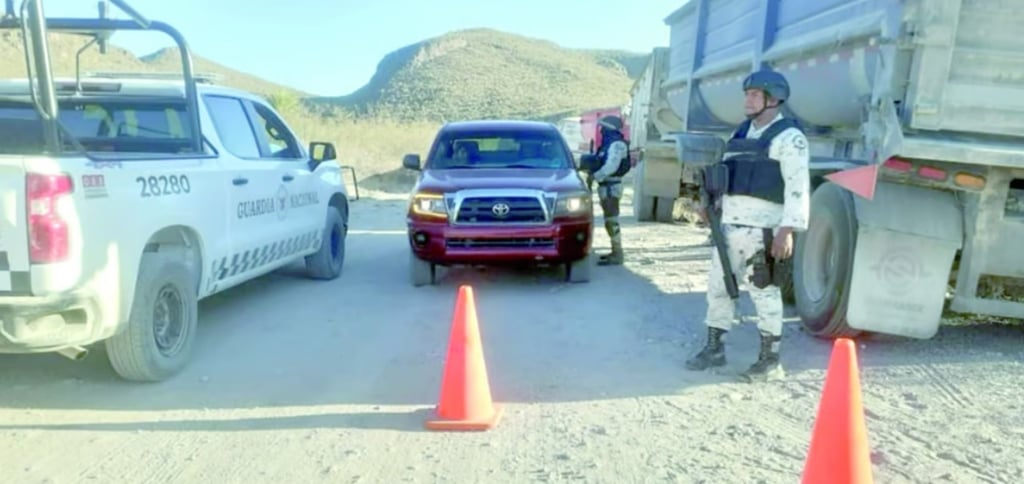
706,151
714,183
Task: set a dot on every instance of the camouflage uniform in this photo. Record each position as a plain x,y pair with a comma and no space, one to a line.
609,192
744,219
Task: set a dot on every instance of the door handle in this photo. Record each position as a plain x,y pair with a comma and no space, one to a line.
287,178
240,181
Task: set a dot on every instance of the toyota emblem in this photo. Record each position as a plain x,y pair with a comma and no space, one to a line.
500,209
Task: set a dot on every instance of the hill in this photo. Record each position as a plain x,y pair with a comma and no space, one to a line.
477,73
483,73
633,63
63,48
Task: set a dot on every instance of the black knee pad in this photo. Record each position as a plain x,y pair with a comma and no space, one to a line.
612,226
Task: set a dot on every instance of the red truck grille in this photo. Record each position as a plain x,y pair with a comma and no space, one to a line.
500,210
501,243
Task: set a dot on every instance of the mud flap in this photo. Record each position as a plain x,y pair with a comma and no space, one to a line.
907,239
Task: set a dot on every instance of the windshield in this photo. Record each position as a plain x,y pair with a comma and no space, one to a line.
111,125
500,149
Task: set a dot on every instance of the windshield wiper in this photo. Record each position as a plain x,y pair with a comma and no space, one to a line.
538,167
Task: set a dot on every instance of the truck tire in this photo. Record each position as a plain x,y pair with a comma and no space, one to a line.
327,263
664,209
643,205
579,271
161,330
823,263
644,208
421,272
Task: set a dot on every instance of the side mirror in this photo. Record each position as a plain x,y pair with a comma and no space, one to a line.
411,161
320,151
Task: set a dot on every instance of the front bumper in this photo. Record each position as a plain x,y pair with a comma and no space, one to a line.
444,244
48,323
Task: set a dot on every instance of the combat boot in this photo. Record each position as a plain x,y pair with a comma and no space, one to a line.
768,367
615,258
713,353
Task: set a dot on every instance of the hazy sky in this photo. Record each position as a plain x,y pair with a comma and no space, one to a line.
331,47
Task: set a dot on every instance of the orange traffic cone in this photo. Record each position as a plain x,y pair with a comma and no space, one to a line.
839,442
465,391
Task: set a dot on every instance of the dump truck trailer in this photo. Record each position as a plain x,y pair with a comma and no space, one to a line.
915,114
659,179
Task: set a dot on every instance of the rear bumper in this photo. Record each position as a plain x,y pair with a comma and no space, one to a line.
445,244
41,324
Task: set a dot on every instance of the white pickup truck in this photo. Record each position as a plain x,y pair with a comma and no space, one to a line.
118,218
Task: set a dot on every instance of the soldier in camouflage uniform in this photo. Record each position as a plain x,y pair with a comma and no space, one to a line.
612,163
768,199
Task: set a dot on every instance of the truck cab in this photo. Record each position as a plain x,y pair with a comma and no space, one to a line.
137,195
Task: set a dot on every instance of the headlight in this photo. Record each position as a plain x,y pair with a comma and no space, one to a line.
573,204
429,205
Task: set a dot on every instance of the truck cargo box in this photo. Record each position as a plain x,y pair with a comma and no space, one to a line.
946,65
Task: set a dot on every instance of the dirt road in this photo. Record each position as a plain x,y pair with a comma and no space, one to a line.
300,381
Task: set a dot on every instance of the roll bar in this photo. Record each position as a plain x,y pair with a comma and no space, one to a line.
34,25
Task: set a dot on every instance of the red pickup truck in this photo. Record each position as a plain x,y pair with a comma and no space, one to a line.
499,192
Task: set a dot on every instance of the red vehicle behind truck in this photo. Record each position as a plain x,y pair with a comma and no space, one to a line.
591,133
498,192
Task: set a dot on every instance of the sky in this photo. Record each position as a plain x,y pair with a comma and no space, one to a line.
332,47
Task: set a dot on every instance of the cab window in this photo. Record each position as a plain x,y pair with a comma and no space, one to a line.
278,141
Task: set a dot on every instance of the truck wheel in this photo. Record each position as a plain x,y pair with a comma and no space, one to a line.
643,205
579,271
644,208
823,263
664,208
421,272
161,329
327,263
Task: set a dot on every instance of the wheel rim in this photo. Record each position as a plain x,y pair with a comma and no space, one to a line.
169,327
819,262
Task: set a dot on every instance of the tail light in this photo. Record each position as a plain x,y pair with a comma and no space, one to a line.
47,229
962,179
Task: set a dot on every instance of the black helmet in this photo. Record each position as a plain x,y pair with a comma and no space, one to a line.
613,123
771,82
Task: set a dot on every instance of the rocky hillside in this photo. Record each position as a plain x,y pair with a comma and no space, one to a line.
486,73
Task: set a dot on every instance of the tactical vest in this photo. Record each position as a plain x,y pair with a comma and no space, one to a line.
751,171
624,165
